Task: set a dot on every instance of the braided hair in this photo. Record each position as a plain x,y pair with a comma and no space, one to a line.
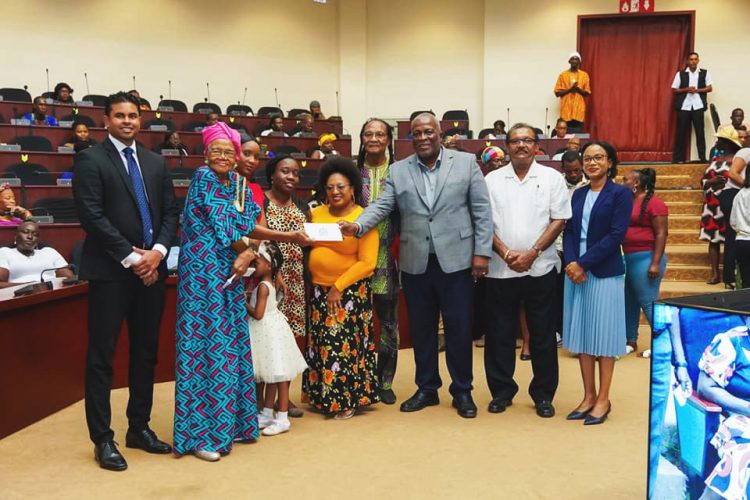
277,258
647,179
362,153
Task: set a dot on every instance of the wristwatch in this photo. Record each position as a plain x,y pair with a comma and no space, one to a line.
537,250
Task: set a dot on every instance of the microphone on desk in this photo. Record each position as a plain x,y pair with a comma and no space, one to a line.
338,104
47,70
507,111
49,283
170,89
546,119
276,93
208,93
244,96
134,87
86,78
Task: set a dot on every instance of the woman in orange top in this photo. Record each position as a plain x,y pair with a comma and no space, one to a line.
340,347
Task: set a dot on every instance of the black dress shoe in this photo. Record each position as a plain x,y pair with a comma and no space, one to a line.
525,357
108,456
578,415
387,396
465,405
419,401
545,409
146,440
597,420
498,405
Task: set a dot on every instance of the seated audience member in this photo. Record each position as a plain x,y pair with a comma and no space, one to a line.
561,130
275,127
493,158
38,115
326,147
572,167
315,110
742,134
10,213
737,120
306,126
574,144
211,118
63,94
81,137
172,141
142,105
498,128
451,142
24,261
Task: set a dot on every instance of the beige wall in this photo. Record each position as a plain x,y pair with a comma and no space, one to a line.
288,44
386,57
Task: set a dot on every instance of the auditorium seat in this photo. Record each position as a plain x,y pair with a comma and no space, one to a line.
239,110
158,122
206,107
174,104
285,149
31,174
417,113
79,118
484,133
456,114
297,111
193,126
11,94
238,127
457,130
182,173
48,95
96,99
145,101
62,209
33,143
269,110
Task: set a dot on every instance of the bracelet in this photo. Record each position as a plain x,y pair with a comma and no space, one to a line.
681,364
537,249
505,257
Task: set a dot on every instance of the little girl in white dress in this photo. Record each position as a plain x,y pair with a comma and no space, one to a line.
276,357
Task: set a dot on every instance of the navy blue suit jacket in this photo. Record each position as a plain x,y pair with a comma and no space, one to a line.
608,224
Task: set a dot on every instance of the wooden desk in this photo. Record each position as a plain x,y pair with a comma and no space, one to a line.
403,127
43,345
11,109
405,148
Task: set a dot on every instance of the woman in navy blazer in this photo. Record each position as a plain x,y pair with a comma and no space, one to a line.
594,303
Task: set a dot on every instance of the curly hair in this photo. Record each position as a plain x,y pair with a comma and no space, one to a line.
345,167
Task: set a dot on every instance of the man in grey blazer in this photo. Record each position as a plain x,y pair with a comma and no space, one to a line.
446,244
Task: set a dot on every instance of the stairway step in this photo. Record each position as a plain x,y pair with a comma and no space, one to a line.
685,208
687,272
696,255
681,221
683,236
664,169
691,195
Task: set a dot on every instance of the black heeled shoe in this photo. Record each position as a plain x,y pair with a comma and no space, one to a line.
598,420
525,357
578,415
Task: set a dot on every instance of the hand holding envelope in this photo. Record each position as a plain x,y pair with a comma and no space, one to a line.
323,232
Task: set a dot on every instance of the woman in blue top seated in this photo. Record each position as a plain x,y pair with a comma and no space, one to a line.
594,307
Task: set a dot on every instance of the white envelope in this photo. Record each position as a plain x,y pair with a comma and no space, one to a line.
323,232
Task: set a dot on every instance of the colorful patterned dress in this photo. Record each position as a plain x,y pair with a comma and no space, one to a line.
713,222
340,347
214,385
726,362
290,218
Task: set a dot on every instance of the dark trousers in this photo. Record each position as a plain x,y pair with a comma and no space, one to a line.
742,253
684,118
428,295
726,199
111,302
574,126
479,323
386,307
504,298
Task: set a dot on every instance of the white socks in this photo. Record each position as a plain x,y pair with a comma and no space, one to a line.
278,425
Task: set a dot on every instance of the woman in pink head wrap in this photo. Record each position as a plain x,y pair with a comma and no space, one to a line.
215,402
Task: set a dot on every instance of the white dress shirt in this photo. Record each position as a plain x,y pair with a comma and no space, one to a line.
692,101
134,257
23,269
522,210
740,216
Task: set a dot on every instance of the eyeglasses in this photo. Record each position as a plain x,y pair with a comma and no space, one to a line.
595,158
377,135
222,153
339,187
526,141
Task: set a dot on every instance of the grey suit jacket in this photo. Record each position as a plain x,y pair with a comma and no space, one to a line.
459,221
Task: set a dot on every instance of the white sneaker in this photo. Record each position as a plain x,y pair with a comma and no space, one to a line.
277,427
208,456
264,421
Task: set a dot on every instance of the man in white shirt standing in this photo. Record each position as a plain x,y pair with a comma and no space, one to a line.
690,88
530,205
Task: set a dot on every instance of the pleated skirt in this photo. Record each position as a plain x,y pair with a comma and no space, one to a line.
594,316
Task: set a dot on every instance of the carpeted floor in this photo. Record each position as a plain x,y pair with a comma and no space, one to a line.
380,453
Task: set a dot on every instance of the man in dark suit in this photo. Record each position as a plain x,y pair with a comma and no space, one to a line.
446,244
125,200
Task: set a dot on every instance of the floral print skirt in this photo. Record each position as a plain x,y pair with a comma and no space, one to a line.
340,351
